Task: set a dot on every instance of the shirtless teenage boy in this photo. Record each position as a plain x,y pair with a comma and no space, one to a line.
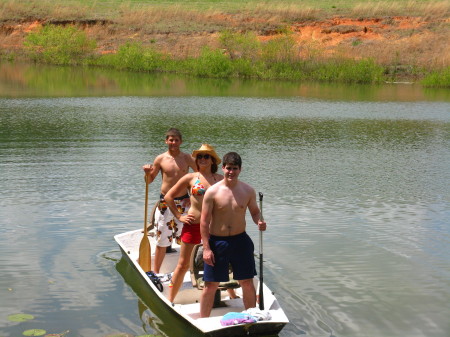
172,164
222,227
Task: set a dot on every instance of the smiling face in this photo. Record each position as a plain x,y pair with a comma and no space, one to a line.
231,166
203,159
231,172
173,142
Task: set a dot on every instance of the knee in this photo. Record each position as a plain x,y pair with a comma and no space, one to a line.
210,287
246,283
183,267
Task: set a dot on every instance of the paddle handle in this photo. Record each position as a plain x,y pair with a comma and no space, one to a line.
146,208
261,279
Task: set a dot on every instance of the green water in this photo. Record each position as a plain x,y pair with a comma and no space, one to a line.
355,182
24,80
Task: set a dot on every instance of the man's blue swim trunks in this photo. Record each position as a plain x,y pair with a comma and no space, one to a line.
236,250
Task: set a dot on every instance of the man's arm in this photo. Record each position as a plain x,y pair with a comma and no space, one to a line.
152,170
205,221
255,212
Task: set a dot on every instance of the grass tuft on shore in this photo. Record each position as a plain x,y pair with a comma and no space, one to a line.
438,79
59,45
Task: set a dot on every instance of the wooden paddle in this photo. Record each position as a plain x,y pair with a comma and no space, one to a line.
145,260
261,281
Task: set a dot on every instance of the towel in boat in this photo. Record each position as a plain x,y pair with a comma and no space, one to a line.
234,318
258,314
250,315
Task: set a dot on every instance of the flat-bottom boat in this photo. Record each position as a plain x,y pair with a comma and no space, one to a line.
187,302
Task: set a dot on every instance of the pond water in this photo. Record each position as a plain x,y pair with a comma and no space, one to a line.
355,182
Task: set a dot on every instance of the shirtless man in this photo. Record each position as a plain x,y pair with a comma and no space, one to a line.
172,164
222,227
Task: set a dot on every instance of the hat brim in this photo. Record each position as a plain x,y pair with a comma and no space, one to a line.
211,153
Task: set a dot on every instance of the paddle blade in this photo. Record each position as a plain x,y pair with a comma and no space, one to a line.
145,259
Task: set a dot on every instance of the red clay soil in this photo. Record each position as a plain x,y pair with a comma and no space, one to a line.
411,41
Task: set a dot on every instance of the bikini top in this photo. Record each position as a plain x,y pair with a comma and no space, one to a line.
198,188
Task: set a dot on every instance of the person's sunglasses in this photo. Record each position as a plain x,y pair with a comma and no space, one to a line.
201,156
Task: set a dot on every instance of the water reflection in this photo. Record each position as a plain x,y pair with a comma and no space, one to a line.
28,80
158,319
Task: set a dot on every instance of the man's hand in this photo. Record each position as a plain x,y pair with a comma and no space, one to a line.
262,225
208,257
148,168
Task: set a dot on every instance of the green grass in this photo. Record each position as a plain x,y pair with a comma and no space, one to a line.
230,4
438,79
59,45
272,60
287,9
243,56
134,57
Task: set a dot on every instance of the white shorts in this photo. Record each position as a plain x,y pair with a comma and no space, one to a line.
169,227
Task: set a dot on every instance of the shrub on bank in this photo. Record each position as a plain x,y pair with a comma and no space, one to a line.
438,79
59,45
348,71
236,45
279,58
213,63
281,49
133,56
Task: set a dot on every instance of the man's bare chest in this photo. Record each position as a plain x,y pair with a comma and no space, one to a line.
174,167
231,203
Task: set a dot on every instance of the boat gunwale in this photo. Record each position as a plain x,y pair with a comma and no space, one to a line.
218,331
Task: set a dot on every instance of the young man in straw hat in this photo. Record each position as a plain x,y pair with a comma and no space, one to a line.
173,164
222,227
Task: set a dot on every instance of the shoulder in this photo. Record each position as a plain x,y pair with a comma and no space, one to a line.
214,188
188,177
160,157
247,189
188,159
245,186
187,156
192,175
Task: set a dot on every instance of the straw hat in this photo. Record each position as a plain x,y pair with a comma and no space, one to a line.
206,148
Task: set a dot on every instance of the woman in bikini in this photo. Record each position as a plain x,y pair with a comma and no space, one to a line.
207,162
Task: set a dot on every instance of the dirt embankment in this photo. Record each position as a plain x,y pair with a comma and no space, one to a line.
391,41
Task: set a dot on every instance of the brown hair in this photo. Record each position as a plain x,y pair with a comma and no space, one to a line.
232,158
173,132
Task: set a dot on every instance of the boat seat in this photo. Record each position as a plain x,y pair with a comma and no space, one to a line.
196,272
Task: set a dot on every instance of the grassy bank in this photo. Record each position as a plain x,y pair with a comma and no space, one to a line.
239,38
240,55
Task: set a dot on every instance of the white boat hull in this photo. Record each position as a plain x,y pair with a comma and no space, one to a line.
187,302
